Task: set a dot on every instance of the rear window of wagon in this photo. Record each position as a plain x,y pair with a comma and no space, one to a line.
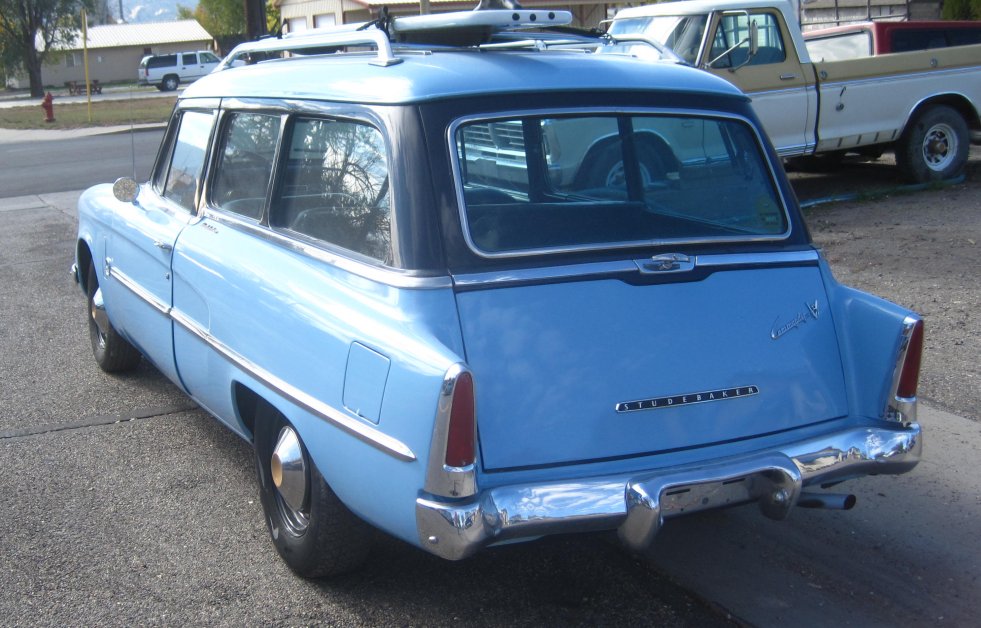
544,183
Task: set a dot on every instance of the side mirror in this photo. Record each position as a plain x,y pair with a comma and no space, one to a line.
126,190
754,40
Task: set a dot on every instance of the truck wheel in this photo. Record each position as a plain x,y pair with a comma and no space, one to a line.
603,166
112,352
170,83
934,147
312,530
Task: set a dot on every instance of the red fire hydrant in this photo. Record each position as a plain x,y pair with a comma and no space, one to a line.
48,105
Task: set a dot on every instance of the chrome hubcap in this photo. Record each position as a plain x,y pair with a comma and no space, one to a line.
617,178
939,147
289,475
99,316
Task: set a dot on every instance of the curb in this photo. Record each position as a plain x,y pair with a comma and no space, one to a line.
10,136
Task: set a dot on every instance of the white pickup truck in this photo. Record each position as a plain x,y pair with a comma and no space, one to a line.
923,105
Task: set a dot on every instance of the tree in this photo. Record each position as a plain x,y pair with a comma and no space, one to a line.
961,10
221,17
26,25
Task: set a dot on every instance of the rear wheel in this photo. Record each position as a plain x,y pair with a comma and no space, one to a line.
312,530
112,352
170,83
935,146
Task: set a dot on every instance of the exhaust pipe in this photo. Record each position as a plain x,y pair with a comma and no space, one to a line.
830,501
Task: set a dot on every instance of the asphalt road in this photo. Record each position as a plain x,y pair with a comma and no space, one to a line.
122,504
75,164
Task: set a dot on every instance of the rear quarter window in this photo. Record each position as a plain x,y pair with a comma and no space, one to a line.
162,61
335,186
840,47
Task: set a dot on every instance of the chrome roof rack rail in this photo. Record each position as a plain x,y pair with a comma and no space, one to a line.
417,29
326,39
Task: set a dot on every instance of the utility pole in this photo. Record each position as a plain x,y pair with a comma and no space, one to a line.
255,18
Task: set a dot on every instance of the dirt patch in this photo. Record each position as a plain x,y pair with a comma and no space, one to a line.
920,249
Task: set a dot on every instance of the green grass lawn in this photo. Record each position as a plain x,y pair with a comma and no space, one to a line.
75,115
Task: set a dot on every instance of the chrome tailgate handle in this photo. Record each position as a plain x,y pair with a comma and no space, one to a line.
666,263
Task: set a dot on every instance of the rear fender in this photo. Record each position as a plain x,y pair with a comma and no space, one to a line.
871,338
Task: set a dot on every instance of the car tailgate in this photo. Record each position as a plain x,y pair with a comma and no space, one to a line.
588,370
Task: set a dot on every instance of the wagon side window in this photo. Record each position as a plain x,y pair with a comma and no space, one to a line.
335,186
183,176
245,161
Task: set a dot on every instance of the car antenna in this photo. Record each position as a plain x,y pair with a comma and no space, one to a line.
132,134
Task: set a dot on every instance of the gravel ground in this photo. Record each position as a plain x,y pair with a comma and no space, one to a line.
921,250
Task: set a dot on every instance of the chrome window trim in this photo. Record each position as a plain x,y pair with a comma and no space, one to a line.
215,158
328,413
388,276
607,111
559,273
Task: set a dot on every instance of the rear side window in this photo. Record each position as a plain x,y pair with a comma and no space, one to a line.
546,184
190,58
964,36
838,47
335,186
245,163
187,159
163,61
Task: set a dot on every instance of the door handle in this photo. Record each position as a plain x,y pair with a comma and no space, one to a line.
787,77
163,246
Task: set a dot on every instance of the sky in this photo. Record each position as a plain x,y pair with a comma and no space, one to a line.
149,10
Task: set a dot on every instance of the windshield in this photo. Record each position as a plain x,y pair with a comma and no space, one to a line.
558,183
681,33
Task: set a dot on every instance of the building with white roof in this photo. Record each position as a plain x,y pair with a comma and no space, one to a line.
115,50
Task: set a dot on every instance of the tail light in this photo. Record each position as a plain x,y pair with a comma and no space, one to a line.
460,441
909,378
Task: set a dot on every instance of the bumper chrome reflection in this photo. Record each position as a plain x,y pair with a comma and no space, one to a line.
637,505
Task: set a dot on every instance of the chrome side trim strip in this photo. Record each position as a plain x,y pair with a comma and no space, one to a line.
544,274
757,259
879,80
637,504
130,284
387,276
335,417
619,267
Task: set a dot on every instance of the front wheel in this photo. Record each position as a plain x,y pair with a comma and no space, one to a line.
112,352
935,146
312,529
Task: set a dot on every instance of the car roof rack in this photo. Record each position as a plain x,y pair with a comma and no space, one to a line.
458,28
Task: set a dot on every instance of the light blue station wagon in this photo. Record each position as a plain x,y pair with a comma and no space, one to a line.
470,288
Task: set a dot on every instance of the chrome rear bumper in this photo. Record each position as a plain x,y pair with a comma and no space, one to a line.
636,505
